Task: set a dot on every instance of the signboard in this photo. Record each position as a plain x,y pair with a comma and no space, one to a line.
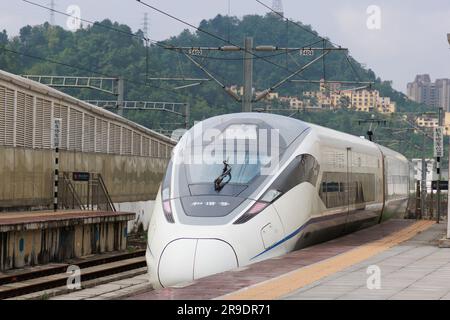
56,136
443,185
80,176
306,52
438,142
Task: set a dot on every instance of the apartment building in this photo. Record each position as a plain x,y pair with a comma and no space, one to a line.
433,94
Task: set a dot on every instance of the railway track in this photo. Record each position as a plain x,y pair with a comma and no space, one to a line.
53,276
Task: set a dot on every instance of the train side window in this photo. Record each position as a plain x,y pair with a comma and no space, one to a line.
336,192
303,168
333,187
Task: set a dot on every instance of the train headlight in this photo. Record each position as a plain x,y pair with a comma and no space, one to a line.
257,207
165,195
269,196
167,208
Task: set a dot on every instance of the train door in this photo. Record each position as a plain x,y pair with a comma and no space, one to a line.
348,188
384,167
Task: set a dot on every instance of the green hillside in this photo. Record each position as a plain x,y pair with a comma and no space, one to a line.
100,50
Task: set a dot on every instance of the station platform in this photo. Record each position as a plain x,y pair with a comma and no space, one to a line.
404,254
40,237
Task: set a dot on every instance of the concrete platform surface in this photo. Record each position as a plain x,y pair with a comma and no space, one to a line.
343,262
414,269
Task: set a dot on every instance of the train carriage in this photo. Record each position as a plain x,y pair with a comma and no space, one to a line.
241,188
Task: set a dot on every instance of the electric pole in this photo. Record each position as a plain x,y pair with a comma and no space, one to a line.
145,26
120,96
277,7
52,12
423,181
248,56
445,242
438,137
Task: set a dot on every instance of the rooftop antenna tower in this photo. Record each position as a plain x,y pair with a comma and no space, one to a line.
277,7
52,12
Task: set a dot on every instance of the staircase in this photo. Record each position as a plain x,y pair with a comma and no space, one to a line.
87,194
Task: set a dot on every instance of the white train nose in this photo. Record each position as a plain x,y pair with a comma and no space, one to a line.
184,260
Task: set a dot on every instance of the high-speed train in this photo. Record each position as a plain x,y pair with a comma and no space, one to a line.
245,187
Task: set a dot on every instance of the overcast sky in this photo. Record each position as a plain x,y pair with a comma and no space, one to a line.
411,38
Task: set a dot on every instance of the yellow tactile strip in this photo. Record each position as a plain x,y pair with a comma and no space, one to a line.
280,286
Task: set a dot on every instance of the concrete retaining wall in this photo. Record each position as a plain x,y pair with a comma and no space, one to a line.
26,175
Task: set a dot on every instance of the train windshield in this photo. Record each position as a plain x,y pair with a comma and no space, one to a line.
244,168
252,144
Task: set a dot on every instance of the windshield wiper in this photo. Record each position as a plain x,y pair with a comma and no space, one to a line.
226,172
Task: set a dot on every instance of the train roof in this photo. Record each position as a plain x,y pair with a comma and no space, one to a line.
288,128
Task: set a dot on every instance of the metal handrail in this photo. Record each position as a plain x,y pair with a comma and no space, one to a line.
91,196
69,185
105,192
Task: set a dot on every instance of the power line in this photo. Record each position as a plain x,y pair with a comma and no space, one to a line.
247,50
239,59
87,21
309,31
213,35
145,37
96,23
352,67
285,51
295,23
159,43
3,48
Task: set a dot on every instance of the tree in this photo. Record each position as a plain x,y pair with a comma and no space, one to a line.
97,49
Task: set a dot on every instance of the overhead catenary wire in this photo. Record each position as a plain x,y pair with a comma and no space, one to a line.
292,73
96,23
3,48
295,23
212,75
212,35
167,46
87,21
146,39
287,51
353,68
311,32
235,59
